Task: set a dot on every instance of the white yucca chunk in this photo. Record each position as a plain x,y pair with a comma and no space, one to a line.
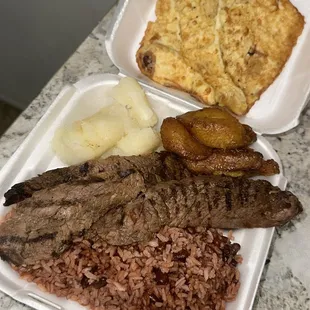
119,122
119,112
122,113
71,147
103,131
139,142
62,151
87,139
75,138
89,133
130,94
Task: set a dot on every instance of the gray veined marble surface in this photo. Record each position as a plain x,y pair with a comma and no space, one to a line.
285,283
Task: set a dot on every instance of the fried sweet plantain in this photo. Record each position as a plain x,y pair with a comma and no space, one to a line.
212,141
216,128
269,167
178,140
236,162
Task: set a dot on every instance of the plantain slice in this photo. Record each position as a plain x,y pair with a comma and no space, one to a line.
178,140
268,168
236,162
216,128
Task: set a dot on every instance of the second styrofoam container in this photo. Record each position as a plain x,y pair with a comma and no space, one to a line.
278,109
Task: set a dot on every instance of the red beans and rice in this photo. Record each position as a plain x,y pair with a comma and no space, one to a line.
179,269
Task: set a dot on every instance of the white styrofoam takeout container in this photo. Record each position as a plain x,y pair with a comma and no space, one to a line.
35,156
278,109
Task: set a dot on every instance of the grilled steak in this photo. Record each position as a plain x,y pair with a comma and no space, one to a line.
154,168
46,223
209,201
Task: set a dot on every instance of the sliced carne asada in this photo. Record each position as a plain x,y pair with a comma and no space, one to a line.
198,201
154,168
46,224
128,211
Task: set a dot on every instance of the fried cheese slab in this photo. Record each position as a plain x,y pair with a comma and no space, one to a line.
160,57
257,38
224,52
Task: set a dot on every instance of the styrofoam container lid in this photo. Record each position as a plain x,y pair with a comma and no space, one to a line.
278,109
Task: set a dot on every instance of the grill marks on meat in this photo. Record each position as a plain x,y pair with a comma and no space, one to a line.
143,194
154,168
62,212
198,201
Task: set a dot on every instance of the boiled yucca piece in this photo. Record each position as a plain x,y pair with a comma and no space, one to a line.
138,142
126,123
116,111
130,94
71,147
89,138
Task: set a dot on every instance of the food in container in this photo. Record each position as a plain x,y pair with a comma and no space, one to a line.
221,52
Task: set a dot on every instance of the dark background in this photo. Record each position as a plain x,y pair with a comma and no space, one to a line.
37,37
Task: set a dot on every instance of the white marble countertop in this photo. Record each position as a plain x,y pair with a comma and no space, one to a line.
285,283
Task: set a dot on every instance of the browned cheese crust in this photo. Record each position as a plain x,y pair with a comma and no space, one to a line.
224,52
